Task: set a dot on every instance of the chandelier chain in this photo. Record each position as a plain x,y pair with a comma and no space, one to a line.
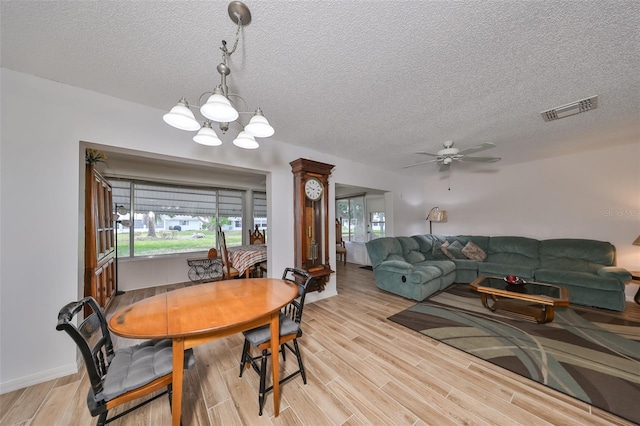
225,52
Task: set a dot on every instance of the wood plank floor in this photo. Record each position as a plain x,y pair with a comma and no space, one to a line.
361,370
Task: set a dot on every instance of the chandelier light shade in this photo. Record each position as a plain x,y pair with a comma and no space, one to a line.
259,126
219,107
181,117
207,136
246,140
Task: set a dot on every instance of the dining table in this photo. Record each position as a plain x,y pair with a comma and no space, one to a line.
246,256
197,314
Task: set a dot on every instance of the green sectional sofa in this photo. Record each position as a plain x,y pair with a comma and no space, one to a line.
418,266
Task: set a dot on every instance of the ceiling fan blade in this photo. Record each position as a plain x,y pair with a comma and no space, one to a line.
417,164
427,153
444,167
481,159
478,148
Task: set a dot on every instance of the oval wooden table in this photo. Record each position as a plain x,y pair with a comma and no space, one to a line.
200,313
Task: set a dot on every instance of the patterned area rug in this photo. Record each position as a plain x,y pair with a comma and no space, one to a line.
585,353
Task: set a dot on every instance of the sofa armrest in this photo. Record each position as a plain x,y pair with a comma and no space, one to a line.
618,273
395,266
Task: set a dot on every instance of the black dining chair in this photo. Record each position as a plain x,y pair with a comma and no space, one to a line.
290,331
118,376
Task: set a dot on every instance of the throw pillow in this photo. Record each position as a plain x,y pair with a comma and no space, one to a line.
473,252
444,247
455,249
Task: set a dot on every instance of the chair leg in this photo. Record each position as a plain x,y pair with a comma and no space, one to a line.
300,365
263,377
245,356
284,353
102,419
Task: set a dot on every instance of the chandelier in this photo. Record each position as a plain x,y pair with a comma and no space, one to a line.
219,107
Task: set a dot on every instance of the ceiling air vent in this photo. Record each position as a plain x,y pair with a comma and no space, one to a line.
573,108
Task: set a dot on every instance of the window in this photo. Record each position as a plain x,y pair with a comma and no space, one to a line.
168,219
260,210
351,211
377,225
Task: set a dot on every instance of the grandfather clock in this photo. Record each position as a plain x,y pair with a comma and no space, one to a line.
311,219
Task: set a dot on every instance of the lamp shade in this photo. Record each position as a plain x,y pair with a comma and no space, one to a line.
637,241
246,141
437,215
218,108
207,136
181,117
259,125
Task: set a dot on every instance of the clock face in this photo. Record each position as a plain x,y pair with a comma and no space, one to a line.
313,189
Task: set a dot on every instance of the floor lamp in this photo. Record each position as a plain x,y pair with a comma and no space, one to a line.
436,215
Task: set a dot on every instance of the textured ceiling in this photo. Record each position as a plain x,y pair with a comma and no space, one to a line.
373,81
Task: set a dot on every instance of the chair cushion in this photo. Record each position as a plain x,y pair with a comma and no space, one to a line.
262,334
138,365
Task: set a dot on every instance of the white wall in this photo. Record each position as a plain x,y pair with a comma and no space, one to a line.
41,177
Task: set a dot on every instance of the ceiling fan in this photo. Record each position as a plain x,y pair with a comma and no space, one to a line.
449,153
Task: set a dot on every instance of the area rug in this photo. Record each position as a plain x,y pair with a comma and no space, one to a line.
588,354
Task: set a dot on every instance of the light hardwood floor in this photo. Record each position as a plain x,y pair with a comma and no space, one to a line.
362,369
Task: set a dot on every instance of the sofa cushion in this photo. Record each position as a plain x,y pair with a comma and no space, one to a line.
411,250
425,243
445,266
576,254
578,279
502,269
521,252
437,250
472,251
466,264
423,274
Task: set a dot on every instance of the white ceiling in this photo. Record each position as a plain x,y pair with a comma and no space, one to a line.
373,81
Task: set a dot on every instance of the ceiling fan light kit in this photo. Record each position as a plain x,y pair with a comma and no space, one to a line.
219,107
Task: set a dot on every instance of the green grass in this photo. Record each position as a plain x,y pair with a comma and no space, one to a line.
168,242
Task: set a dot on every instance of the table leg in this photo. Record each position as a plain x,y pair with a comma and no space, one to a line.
275,360
483,298
546,314
177,379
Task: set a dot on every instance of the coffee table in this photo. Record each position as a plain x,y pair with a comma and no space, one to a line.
530,301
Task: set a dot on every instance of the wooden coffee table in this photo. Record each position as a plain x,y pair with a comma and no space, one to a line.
530,301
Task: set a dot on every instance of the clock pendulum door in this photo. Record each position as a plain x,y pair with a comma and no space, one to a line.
313,242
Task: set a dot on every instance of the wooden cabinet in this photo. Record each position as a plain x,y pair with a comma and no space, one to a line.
311,219
99,243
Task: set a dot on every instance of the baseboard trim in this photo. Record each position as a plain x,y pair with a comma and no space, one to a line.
38,378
